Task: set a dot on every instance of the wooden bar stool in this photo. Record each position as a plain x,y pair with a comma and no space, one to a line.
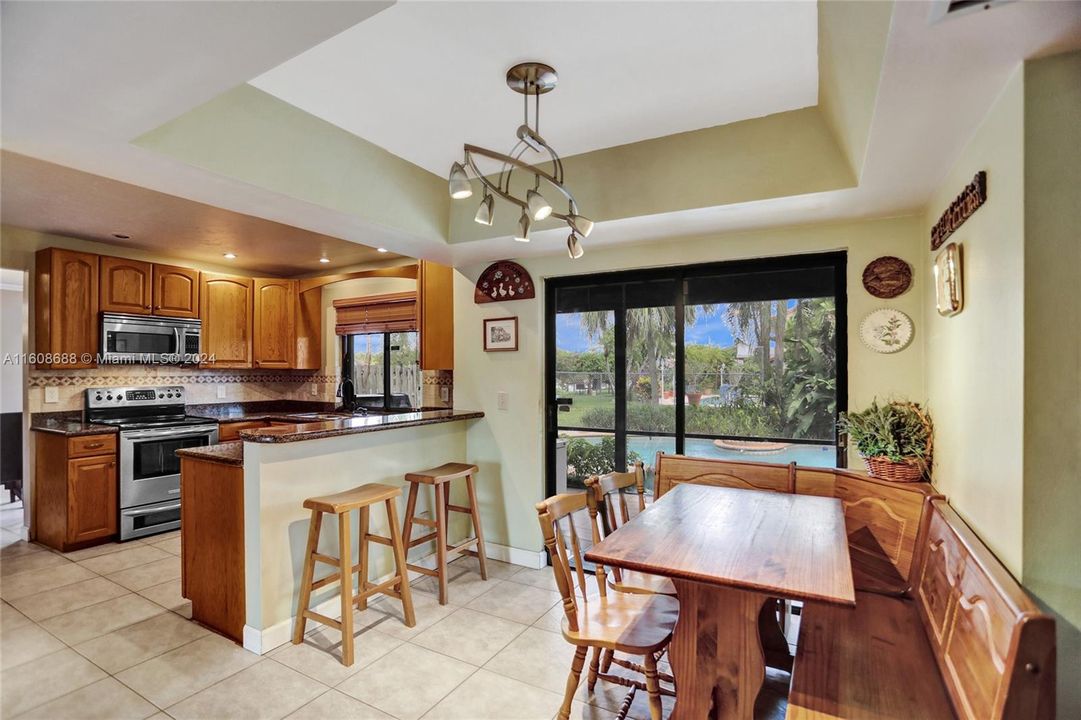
440,478
342,504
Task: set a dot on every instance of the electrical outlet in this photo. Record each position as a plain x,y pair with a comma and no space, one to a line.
52,394
315,389
501,399
444,393
221,391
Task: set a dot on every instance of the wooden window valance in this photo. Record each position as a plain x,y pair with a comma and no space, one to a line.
391,312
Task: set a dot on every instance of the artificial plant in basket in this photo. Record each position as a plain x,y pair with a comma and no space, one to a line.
894,439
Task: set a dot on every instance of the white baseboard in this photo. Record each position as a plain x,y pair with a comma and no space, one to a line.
261,642
516,556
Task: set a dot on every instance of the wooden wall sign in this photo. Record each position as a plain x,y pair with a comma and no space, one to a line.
503,281
961,209
887,277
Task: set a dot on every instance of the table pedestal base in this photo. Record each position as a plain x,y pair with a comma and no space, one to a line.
716,653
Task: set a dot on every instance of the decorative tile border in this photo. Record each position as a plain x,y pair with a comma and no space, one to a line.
438,377
62,379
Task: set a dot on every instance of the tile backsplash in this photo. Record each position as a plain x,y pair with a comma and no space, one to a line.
202,385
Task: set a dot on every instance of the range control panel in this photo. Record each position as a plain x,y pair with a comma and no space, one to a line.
134,397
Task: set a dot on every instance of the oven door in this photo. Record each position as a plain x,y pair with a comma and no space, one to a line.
135,339
149,467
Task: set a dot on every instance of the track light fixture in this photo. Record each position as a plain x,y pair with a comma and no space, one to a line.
485,213
524,223
530,79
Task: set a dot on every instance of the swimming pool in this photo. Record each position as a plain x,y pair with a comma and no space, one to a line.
810,455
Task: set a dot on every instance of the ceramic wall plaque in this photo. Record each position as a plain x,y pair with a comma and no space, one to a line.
887,277
949,293
503,281
886,330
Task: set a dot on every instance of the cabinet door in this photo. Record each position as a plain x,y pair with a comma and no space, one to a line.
66,312
125,286
225,303
176,291
92,489
435,295
275,323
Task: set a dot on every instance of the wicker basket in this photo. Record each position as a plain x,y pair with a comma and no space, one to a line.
902,472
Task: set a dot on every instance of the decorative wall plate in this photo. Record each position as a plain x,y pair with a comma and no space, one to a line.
886,330
887,277
503,281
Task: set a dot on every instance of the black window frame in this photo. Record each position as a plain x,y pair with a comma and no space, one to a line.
347,364
837,261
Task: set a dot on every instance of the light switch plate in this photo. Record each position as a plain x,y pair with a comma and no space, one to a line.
501,399
52,394
444,393
221,391
315,389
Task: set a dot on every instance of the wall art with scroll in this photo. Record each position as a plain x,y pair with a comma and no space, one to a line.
503,281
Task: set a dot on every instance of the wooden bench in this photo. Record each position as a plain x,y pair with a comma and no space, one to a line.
940,628
882,519
967,643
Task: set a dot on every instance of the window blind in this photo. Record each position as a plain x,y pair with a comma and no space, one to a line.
392,312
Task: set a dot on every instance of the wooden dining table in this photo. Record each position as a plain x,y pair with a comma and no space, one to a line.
728,551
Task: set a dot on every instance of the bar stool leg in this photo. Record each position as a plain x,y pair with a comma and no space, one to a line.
441,542
482,556
404,591
345,565
307,577
362,580
410,509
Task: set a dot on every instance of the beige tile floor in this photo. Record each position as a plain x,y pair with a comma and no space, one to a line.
104,633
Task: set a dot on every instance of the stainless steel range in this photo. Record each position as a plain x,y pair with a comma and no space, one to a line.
153,426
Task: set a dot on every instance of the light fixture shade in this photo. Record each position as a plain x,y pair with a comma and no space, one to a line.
574,247
524,224
485,213
581,225
460,187
538,206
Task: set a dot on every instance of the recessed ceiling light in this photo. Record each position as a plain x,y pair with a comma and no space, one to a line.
324,260
229,256
380,249
121,236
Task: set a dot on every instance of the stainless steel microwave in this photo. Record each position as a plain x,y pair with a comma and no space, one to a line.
149,339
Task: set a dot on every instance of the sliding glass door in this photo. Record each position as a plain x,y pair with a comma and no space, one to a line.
736,360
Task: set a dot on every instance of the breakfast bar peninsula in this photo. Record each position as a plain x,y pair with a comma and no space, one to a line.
244,526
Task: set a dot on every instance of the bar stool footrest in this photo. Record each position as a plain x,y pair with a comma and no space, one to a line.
331,622
423,570
421,540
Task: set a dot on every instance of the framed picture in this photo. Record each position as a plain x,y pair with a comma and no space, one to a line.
501,334
949,294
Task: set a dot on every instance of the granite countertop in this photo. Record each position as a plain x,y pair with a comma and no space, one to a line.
227,453
67,423
232,453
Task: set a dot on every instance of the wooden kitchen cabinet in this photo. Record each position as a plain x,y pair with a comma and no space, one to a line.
176,291
66,308
435,316
126,286
275,339
142,288
76,492
225,303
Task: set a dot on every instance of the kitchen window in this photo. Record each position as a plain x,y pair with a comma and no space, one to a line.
383,369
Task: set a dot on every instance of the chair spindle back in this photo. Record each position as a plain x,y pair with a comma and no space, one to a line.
553,514
607,499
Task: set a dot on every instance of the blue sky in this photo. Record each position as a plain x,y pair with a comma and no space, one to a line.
706,331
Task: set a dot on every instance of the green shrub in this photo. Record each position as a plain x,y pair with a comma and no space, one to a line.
585,457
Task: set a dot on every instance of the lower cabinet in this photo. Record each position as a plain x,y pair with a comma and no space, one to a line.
75,490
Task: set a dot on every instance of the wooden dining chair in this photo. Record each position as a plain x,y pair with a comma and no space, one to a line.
607,504
639,625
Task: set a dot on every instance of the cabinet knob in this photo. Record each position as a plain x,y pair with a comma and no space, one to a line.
147,307
112,464
91,446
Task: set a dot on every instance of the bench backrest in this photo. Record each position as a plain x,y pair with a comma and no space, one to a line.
994,648
882,519
672,470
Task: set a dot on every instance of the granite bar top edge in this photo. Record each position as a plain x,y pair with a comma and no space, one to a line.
69,424
226,453
356,426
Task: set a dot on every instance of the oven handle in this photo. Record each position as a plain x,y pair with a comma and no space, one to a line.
147,511
168,432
